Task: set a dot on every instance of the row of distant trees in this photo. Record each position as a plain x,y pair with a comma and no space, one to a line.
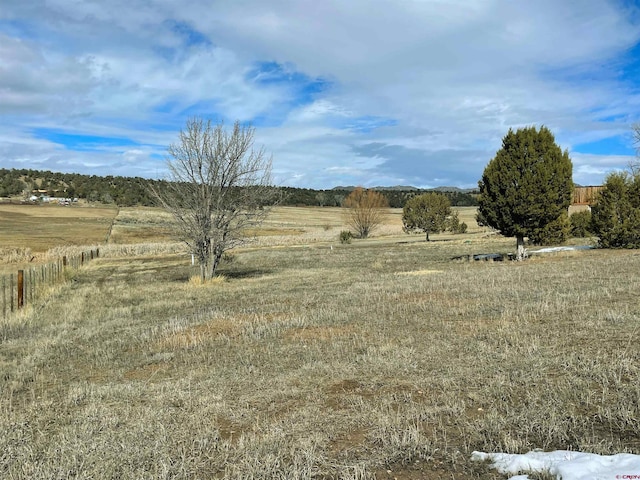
123,191
132,191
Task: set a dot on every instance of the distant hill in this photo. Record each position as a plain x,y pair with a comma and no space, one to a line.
397,188
131,191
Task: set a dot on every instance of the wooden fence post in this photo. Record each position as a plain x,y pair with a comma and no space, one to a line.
20,289
82,258
97,252
4,297
11,291
64,261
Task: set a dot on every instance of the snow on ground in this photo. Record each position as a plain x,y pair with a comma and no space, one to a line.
561,249
565,465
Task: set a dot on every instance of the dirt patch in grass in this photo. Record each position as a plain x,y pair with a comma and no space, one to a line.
345,386
348,441
229,430
197,335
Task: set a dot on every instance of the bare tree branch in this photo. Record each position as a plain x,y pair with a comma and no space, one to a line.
366,209
218,186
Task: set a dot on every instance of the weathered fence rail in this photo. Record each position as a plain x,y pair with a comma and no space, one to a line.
26,285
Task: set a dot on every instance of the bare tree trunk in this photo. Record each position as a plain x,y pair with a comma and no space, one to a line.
216,257
520,254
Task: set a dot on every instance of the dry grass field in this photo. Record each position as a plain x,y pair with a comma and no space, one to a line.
311,359
27,232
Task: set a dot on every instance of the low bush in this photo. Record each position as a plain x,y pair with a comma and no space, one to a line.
580,224
345,236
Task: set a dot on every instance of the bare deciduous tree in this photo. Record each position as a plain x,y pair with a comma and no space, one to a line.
366,210
218,186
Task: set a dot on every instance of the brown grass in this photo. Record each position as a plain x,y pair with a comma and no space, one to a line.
379,359
41,227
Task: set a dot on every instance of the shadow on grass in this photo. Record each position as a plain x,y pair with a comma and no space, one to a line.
239,274
231,274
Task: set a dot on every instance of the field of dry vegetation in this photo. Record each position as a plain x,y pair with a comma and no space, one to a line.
311,359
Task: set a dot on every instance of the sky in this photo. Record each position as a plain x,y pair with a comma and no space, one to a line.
340,92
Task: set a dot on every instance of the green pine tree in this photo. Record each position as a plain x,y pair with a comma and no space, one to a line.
616,215
526,188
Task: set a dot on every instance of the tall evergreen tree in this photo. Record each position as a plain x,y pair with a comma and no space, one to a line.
526,188
616,214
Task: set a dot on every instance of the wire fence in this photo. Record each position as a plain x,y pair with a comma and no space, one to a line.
17,290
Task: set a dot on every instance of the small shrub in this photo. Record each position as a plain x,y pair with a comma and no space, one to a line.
460,228
580,224
345,236
454,225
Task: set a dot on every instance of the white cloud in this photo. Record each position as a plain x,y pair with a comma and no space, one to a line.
435,83
590,169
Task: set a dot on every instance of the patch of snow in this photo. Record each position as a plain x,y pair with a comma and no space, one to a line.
561,249
565,465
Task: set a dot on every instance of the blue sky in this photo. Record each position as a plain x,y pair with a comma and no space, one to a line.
365,92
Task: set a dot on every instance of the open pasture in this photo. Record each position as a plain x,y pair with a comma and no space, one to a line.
27,232
283,226
379,359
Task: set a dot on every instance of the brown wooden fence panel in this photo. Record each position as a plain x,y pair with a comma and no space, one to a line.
23,289
585,195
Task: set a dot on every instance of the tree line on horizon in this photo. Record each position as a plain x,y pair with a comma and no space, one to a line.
135,191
